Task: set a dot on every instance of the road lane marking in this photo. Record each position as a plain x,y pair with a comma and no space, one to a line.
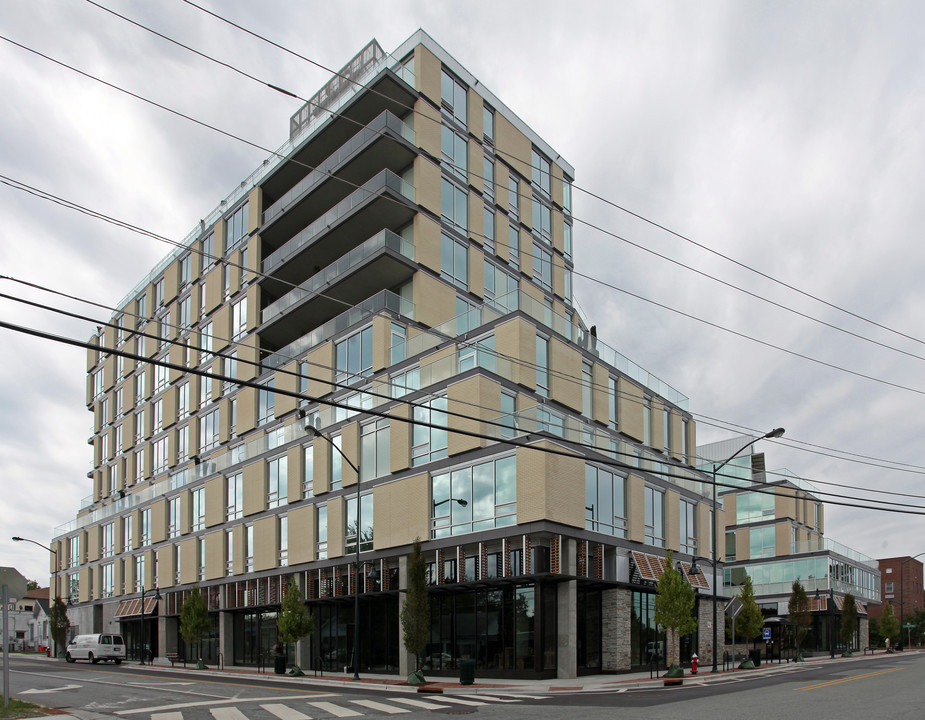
381,707
336,710
422,704
204,703
830,683
167,716
460,701
283,712
227,713
35,691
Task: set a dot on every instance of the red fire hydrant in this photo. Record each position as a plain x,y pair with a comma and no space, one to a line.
694,659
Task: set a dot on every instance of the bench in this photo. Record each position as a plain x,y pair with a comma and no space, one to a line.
872,648
174,658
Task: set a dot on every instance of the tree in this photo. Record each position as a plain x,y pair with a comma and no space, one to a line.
849,621
415,613
873,633
58,623
799,613
674,606
750,620
889,625
194,621
31,585
294,622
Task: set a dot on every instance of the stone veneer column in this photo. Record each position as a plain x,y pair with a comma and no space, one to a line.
406,662
705,631
616,618
567,605
864,633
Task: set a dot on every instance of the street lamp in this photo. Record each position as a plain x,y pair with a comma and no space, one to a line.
902,596
831,607
16,538
144,633
356,563
775,433
458,501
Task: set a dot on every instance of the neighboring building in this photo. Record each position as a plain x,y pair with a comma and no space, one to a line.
901,586
28,621
400,281
775,535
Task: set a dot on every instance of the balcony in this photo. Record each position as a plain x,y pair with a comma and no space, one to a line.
384,300
378,145
384,201
383,261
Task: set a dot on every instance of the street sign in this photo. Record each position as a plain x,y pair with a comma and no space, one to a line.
766,633
734,607
909,625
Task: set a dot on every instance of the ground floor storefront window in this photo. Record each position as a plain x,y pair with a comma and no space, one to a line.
333,642
140,638
504,629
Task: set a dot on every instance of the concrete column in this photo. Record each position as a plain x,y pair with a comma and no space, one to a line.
567,604
226,637
406,662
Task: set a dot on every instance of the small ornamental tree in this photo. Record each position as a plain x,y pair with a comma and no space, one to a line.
294,621
194,621
415,612
750,620
799,613
889,625
849,621
58,623
674,607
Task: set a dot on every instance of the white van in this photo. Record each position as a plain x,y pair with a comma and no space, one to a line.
95,648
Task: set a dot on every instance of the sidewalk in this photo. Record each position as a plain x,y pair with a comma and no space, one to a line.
393,683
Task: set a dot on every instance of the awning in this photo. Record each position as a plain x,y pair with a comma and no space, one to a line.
132,608
651,567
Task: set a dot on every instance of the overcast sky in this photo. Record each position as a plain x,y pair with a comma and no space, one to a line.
789,136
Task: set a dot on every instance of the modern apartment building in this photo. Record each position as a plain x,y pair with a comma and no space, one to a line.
775,534
373,340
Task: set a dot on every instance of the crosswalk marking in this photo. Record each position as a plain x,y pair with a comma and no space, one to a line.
283,712
495,698
515,698
423,704
460,701
227,713
381,707
336,710
167,716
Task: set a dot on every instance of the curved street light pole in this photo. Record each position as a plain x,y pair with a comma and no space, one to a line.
16,538
775,433
356,563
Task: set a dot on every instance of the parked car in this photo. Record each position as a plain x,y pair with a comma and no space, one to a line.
96,647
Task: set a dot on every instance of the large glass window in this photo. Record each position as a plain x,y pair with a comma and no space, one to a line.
454,205
374,449
542,267
234,496
688,527
429,443
173,517
364,522
655,516
754,507
605,501
277,481
239,319
489,490
236,227
209,429
500,288
455,153
761,542
198,497
354,356
453,97
160,455
480,352
308,471
542,366
266,401
321,545
454,261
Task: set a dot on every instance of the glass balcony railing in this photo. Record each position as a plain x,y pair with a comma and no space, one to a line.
356,257
383,300
383,180
819,544
385,120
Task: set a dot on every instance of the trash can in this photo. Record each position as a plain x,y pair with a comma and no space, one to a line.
755,656
279,664
466,672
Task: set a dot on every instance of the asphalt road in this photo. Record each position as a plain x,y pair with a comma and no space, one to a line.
885,687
